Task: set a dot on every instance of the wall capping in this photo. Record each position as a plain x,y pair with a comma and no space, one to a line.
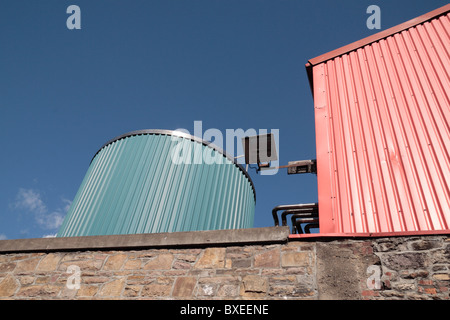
149,240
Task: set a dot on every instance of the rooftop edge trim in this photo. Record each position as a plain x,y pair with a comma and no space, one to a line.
373,38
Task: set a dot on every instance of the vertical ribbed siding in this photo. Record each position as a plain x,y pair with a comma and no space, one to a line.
132,186
383,133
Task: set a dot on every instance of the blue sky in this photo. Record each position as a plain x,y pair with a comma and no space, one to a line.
159,65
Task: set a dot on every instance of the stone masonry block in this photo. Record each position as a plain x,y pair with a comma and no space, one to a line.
295,259
115,262
26,266
8,286
211,258
161,262
184,286
113,288
49,263
254,285
268,259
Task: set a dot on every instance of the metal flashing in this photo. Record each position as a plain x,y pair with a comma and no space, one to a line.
373,38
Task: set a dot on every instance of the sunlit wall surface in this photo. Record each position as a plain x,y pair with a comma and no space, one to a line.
382,117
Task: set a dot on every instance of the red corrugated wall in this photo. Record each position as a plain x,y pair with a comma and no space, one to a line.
382,115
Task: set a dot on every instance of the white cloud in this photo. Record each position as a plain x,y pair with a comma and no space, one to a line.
30,200
49,235
67,204
2,236
51,220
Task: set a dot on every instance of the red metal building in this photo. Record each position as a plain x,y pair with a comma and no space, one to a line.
382,116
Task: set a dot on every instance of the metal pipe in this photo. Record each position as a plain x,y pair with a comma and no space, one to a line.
306,212
308,226
311,225
290,207
298,219
297,213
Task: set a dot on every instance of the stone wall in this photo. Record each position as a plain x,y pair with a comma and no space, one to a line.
403,267
413,267
210,273
241,264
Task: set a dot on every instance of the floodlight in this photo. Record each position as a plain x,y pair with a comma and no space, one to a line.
259,149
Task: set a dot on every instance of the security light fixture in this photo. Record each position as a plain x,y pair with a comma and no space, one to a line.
260,150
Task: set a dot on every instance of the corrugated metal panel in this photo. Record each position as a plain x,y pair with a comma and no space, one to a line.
382,114
132,186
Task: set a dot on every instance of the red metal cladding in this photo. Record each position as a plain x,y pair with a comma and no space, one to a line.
382,115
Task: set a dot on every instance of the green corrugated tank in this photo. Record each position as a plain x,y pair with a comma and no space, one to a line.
152,181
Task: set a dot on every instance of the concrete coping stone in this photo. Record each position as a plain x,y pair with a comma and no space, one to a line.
149,240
